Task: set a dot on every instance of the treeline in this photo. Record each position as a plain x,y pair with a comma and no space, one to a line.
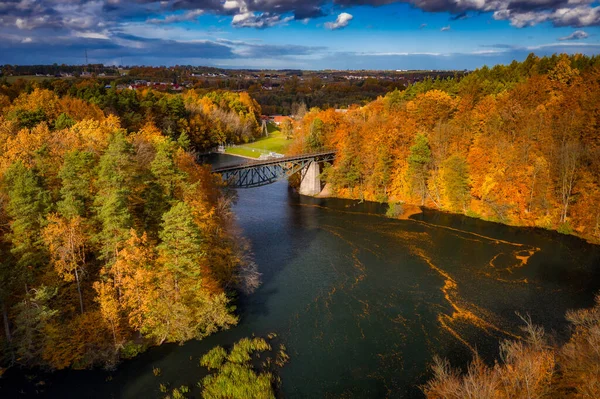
530,368
55,69
517,144
110,240
316,92
208,118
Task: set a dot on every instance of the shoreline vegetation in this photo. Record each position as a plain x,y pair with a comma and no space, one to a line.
515,144
531,367
113,238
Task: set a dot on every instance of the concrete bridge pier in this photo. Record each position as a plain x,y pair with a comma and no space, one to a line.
310,183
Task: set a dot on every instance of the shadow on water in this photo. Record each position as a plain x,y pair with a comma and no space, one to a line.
363,302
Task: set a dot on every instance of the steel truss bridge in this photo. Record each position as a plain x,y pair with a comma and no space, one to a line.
260,173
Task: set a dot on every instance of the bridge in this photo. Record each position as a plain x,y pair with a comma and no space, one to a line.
259,173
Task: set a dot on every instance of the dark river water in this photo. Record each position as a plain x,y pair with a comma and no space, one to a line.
363,302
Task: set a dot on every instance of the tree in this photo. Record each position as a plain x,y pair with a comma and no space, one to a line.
137,275
181,244
66,240
76,176
163,168
418,161
63,121
109,308
570,153
315,137
455,174
235,377
112,199
287,129
27,206
32,315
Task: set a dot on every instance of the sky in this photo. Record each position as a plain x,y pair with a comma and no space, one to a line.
296,34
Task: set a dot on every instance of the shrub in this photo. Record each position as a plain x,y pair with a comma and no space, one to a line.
394,210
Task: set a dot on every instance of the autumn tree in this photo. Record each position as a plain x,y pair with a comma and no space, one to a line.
418,161
455,174
287,128
315,136
66,240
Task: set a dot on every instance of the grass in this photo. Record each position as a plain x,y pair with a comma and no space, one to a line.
276,142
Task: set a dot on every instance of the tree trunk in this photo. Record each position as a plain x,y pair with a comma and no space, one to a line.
532,191
79,290
7,331
6,325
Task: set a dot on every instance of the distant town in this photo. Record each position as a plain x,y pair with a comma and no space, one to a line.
275,90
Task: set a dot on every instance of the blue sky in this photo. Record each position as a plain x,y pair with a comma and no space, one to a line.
308,34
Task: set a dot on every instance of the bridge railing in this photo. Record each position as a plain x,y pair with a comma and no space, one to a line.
274,161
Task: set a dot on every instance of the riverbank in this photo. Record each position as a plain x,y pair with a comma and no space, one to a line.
362,302
409,210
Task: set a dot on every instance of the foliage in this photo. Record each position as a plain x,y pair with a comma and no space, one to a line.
235,376
394,210
515,144
530,368
115,239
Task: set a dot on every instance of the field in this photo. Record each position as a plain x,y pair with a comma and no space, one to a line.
276,142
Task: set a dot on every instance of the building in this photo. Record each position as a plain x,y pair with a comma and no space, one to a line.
279,119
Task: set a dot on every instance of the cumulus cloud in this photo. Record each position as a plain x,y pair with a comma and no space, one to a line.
39,26
85,15
577,35
258,20
341,21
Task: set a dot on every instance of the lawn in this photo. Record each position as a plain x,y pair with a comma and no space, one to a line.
276,142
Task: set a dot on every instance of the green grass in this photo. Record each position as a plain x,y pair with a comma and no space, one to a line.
276,142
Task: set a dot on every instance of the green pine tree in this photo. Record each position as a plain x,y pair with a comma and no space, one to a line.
76,176
181,246
112,199
418,162
27,206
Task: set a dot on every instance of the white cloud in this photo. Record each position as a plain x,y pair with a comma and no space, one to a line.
260,21
174,18
577,35
341,21
445,28
91,35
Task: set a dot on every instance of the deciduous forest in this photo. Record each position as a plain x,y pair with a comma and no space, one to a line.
113,238
516,144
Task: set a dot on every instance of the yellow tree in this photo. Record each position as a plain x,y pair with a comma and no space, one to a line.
109,308
66,239
136,267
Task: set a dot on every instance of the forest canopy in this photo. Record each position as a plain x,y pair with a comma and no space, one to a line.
517,144
113,238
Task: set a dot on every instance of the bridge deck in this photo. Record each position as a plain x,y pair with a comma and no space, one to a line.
274,161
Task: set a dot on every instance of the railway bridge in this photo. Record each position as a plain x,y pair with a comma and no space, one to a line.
259,173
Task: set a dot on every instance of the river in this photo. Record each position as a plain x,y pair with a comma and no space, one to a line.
364,302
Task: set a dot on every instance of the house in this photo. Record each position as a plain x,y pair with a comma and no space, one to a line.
279,119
